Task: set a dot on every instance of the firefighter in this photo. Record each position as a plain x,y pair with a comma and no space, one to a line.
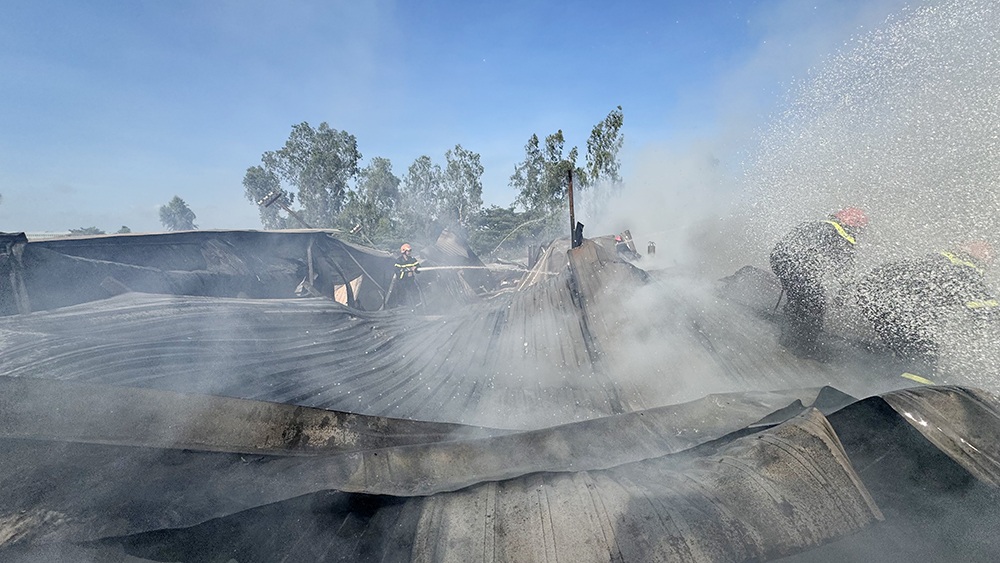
405,284
620,245
910,302
806,261
624,250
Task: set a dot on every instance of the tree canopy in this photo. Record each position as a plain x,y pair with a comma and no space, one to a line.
370,209
606,139
462,187
177,216
317,172
259,184
317,163
541,180
86,231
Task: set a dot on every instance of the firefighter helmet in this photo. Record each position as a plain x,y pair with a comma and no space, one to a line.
851,217
978,249
405,247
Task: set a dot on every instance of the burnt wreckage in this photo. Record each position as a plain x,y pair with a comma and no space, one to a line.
247,396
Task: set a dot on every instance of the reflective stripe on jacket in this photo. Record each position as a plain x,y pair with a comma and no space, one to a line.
842,232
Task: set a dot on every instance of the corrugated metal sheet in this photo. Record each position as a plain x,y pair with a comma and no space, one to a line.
550,423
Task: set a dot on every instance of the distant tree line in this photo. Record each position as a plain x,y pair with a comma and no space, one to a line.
316,179
96,231
175,216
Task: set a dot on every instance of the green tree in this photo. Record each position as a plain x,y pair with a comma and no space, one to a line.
557,168
542,181
420,193
603,166
260,183
123,230
529,175
86,231
542,178
504,231
177,216
461,195
371,206
606,139
319,164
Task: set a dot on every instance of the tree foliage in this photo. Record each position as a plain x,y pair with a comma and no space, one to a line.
606,139
123,230
420,193
86,231
318,163
318,171
503,231
542,184
461,187
542,178
177,216
603,165
259,183
529,175
372,205
557,169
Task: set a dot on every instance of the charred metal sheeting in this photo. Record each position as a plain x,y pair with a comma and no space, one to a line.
461,278
924,455
552,262
255,264
567,442
759,497
127,416
528,359
962,423
473,368
13,295
170,483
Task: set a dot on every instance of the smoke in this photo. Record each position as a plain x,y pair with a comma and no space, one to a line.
673,189
902,121
690,195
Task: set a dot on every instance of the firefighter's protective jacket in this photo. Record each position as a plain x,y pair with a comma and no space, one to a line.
944,279
818,247
406,266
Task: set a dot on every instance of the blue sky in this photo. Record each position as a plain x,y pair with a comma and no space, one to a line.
109,109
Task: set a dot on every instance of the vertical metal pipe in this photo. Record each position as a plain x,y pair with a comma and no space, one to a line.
572,214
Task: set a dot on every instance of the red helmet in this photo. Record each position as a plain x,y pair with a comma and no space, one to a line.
618,238
978,249
404,248
852,217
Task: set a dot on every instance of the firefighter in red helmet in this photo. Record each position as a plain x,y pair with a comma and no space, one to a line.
808,260
912,303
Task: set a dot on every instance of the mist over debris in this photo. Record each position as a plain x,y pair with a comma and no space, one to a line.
862,91
903,123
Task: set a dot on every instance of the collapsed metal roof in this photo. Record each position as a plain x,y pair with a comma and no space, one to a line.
600,412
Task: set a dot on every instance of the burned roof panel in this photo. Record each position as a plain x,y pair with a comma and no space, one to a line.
636,414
